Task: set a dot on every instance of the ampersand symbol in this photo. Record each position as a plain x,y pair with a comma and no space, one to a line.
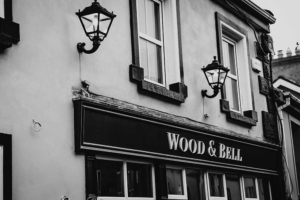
211,150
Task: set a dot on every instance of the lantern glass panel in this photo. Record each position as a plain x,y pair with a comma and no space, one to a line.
90,23
222,77
104,24
212,76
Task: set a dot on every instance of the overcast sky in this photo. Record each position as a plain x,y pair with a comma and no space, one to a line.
286,30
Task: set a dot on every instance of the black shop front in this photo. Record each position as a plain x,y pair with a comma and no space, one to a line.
133,156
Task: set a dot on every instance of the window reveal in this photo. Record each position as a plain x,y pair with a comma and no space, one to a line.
151,40
232,84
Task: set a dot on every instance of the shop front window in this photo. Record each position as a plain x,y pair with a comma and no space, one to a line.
174,181
233,187
139,180
250,188
134,180
195,184
110,178
216,186
124,179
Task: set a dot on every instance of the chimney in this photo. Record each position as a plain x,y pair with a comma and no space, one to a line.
288,52
280,54
297,50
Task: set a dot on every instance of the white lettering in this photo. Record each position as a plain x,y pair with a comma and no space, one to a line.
173,140
228,152
233,157
239,157
193,146
222,151
185,148
201,147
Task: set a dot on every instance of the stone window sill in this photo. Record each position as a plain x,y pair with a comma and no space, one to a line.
177,92
248,118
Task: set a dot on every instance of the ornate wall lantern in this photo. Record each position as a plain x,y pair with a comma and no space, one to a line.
96,22
215,74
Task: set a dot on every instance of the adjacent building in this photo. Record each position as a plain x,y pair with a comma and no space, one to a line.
129,120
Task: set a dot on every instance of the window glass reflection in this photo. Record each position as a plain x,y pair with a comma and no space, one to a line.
216,185
250,188
139,180
263,189
110,178
195,184
233,187
174,181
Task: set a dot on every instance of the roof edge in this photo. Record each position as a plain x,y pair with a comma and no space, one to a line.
262,12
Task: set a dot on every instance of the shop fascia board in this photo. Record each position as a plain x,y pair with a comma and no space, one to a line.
258,18
144,112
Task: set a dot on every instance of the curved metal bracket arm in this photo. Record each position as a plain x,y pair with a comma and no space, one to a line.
204,93
80,47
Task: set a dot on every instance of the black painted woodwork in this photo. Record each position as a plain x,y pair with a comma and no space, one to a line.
177,92
270,127
9,30
161,181
6,142
90,175
101,129
260,54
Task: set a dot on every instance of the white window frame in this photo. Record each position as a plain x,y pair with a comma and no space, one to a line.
154,41
184,185
126,197
297,122
242,65
256,188
230,75
2,9
208,186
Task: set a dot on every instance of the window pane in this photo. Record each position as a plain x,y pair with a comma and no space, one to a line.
139,180
229,56
250,188
142,15
155,63
195,185
216,187
144,58
233,187
263,189
232,93
110,178
153,19
174,180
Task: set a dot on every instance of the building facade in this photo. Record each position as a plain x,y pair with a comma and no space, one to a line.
285,71
289,114
129,120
